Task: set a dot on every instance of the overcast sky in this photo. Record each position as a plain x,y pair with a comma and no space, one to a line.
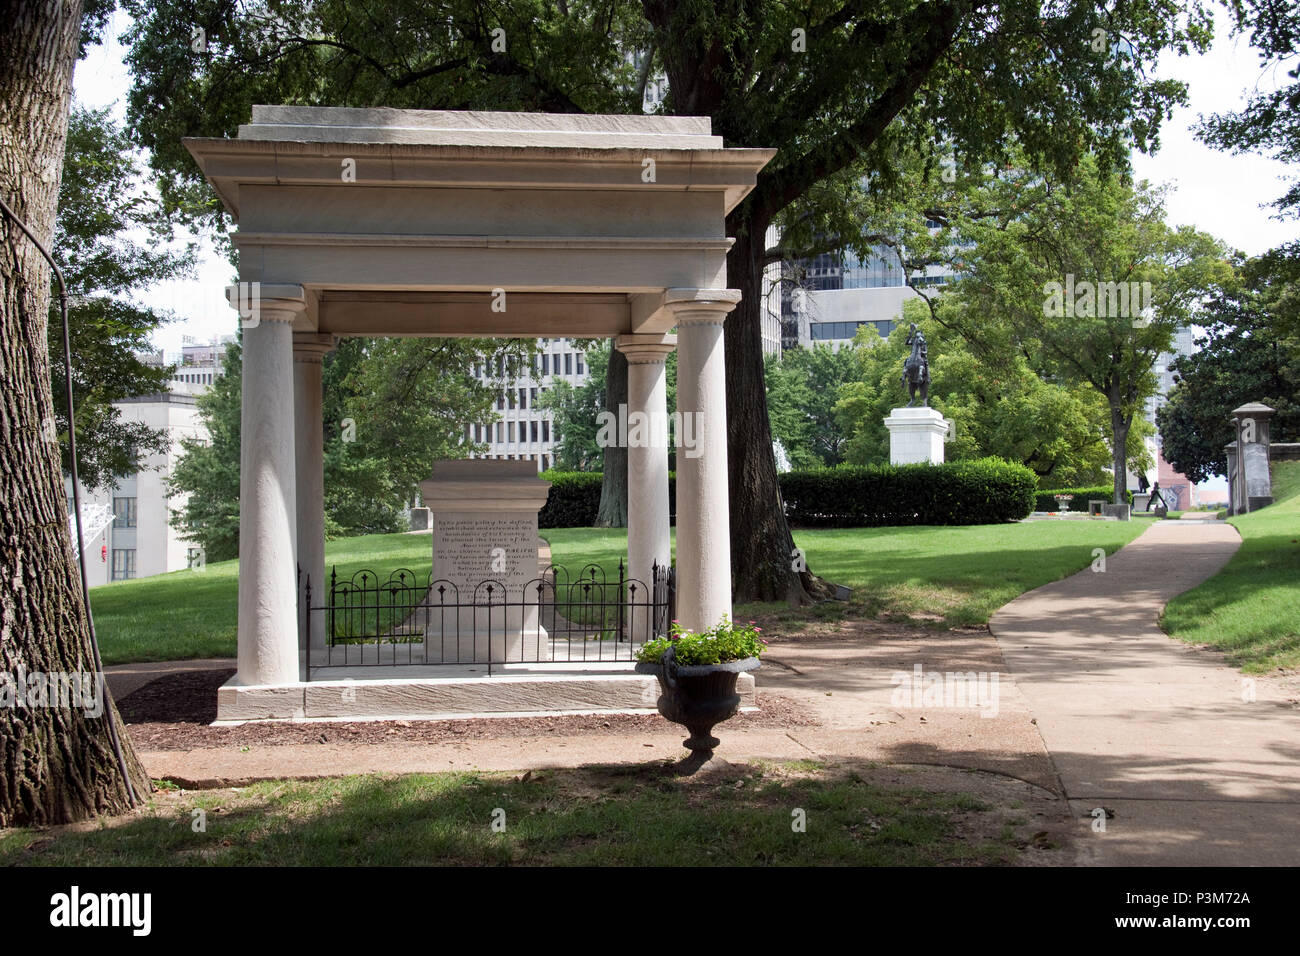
1219,193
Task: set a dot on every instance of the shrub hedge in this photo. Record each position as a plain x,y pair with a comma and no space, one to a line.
964,492
574,500
985,491
1046,501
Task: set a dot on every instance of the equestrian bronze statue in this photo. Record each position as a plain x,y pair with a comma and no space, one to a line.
916,368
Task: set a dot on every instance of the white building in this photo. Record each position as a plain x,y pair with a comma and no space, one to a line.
522,431
140,542
772,299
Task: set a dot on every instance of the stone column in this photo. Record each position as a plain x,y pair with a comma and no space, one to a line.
648,517
309,350
268,606
703,518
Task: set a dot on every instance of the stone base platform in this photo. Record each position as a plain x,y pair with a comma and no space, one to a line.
452,691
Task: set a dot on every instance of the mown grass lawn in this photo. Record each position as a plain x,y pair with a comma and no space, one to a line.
193,614
1251,609
635,815
956,576
950,576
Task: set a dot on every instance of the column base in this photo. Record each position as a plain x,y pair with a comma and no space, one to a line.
450,692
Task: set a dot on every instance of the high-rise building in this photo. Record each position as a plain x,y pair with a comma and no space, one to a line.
833,295
196,364
522,431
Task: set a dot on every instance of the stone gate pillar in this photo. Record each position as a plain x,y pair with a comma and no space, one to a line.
703,517
268,619
1253,487
648,542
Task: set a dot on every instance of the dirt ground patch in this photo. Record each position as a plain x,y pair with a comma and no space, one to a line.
174,713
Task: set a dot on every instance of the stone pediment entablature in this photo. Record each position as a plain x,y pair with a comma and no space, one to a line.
411,222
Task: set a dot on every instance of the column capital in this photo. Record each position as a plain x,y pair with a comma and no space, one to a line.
312,347
272,301
700,306
643,349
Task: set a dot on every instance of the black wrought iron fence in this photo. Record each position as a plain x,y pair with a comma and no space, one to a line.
408,619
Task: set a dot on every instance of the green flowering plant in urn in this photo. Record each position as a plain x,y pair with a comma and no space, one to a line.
697,673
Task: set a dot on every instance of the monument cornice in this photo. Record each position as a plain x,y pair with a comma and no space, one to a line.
303,145
625,243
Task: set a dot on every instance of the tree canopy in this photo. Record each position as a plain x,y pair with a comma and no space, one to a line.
1003,408
1081,278
841,89
803,386
102,200
1247,354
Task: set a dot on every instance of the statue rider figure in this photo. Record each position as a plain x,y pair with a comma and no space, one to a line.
916,368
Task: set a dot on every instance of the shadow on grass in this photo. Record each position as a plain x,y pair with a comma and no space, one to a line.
1251,609
599,815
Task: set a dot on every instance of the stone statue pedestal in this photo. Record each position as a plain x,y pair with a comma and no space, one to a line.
916,436
485,560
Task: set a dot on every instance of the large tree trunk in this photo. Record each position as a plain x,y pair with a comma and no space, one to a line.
763,558
1119,429
612,512
57,764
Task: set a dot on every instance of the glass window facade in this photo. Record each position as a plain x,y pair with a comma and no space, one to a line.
123,563
828,331
123,512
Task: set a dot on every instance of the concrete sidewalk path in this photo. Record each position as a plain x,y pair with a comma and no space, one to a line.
1161,733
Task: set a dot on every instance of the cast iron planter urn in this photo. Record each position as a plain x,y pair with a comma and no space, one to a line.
698,696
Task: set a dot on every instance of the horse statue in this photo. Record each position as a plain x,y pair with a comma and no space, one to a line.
916,368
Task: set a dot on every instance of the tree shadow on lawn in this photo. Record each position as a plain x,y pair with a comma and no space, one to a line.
1250,610
598,815
918,587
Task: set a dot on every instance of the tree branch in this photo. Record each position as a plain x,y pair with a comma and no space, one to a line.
788,182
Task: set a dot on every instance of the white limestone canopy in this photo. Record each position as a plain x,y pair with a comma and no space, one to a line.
378,222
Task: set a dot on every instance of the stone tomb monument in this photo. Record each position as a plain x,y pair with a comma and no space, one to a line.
485,536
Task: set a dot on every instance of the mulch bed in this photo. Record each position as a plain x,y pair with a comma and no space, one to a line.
174,713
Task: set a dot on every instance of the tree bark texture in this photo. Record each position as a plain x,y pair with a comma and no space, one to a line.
612,512
57,764
764,564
